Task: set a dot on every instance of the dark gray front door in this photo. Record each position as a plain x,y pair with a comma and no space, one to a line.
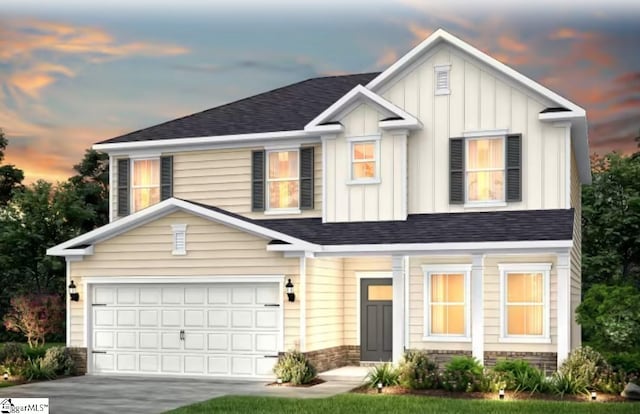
375,319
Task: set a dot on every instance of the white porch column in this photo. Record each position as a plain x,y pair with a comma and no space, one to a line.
563,306
399,270
477,307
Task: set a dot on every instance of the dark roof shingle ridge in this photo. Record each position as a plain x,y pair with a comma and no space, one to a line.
280,88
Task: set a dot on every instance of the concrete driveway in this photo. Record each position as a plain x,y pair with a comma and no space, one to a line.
135,395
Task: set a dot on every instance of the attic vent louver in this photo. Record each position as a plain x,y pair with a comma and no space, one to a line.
442,79
179,239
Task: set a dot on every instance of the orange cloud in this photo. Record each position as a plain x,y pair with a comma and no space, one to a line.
419,32
568,33
389,56
36,78
511,45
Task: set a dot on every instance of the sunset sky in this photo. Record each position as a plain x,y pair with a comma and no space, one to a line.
72,74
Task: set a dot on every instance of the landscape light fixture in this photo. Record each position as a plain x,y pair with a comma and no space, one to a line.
6,376
593,395
290,294
73,292
501,393
379,387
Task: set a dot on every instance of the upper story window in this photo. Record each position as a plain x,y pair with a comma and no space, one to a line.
145,183
283,181
485,170
525,302
365,160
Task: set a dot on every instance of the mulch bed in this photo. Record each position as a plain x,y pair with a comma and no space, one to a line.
509,395
315,381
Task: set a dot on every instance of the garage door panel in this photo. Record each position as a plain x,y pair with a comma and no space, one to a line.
149,363
172,295
171,318
218,342
126,362
213,329
218,318
149,296
104,295
241,318
126,295
218,365
148,318
126,317
170,340
194,318
103,317
126,340
242,295
194,341
103,339
149,340
194,364
194,296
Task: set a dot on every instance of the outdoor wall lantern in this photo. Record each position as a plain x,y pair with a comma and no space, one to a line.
290,294
73,292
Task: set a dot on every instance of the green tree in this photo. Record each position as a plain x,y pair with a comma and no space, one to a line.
91,183
611,222
10,176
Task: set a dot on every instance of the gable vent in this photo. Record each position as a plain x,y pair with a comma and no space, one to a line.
179,239
442,79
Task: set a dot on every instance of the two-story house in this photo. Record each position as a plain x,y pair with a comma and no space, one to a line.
434,206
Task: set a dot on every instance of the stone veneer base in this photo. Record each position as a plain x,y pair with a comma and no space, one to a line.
79,356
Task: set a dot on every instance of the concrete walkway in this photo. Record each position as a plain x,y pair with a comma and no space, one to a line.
137,395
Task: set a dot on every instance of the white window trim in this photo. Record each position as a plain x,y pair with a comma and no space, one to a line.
429,270
545,269
365,138
489,203
440,69
275,211
179,229
132,162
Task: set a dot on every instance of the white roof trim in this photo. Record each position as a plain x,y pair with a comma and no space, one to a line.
360,92
181,142
161,209
442,35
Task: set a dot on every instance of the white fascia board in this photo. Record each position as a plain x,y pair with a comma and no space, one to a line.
166,207
481,247
359,92
325,129
441,35
197,141
400,124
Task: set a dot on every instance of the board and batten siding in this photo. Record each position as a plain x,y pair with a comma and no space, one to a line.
480,99
213,249
324,303
491,304
222,178
576,254
353,266
372,201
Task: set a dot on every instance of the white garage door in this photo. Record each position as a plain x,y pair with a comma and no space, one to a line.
215,329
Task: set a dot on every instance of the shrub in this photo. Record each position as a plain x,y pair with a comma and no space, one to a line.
294,367
563,383
10,352
384,374
36,370
519,375
628,362
491,381
35,316
462,373
59,360
417,371
35,352
586,365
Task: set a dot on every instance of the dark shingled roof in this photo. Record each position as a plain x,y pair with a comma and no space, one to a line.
521,225
284,109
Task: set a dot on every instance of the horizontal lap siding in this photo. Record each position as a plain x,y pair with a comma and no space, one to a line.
576,253
324,304
223,178
212,250
352,266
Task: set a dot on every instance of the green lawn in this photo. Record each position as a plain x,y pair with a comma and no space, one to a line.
355,403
